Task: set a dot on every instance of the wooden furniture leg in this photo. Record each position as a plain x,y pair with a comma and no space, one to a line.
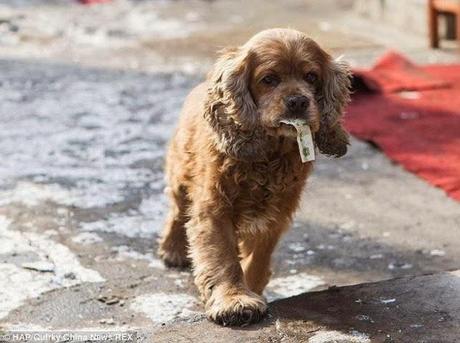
433,25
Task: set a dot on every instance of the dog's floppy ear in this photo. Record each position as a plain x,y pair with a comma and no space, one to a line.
334,95
230,108
229,85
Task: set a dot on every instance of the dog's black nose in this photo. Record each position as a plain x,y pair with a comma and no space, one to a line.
297,104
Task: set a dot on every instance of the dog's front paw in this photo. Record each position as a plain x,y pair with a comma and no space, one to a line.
235,308
174,257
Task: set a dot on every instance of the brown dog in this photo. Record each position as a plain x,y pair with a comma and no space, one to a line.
234,172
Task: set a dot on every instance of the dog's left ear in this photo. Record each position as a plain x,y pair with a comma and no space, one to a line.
334,95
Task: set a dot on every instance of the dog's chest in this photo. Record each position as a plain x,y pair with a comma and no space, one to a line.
262,192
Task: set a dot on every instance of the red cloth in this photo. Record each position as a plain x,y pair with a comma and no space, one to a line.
418,129
394,73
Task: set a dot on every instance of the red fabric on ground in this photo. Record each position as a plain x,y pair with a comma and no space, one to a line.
394,73
418,129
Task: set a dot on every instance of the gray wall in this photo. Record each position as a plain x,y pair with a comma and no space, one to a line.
404,14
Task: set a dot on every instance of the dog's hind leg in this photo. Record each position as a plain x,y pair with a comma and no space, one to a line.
173,248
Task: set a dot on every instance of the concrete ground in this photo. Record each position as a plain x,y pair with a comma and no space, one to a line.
88,100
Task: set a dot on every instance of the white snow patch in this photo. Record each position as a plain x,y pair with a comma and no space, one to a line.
18,284
87,195
50,233
124,252
393,266
41,266
284,287
387,301
437,252
156,263
364,318
85,134
145,222
164,308
126,225
339,337
348,225
179,283
154,206
416,326
149,24
87,238
296,247
32,194
376,256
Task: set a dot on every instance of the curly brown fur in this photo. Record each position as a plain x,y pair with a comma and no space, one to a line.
331,138
234,172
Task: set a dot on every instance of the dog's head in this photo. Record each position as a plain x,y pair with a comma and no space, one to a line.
278,74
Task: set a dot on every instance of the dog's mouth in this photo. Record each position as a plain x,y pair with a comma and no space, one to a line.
287,130
282,130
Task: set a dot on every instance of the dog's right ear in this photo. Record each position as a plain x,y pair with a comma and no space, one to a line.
230,108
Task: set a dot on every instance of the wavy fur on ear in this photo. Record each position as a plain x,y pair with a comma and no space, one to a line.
332,139
230,108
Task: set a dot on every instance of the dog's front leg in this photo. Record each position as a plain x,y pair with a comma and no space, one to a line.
256,255
218,273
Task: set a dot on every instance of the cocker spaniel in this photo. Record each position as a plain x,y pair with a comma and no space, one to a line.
233,169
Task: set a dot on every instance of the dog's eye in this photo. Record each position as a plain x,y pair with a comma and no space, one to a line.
270,80
311,77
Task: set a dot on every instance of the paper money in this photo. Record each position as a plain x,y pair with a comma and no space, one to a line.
304,139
